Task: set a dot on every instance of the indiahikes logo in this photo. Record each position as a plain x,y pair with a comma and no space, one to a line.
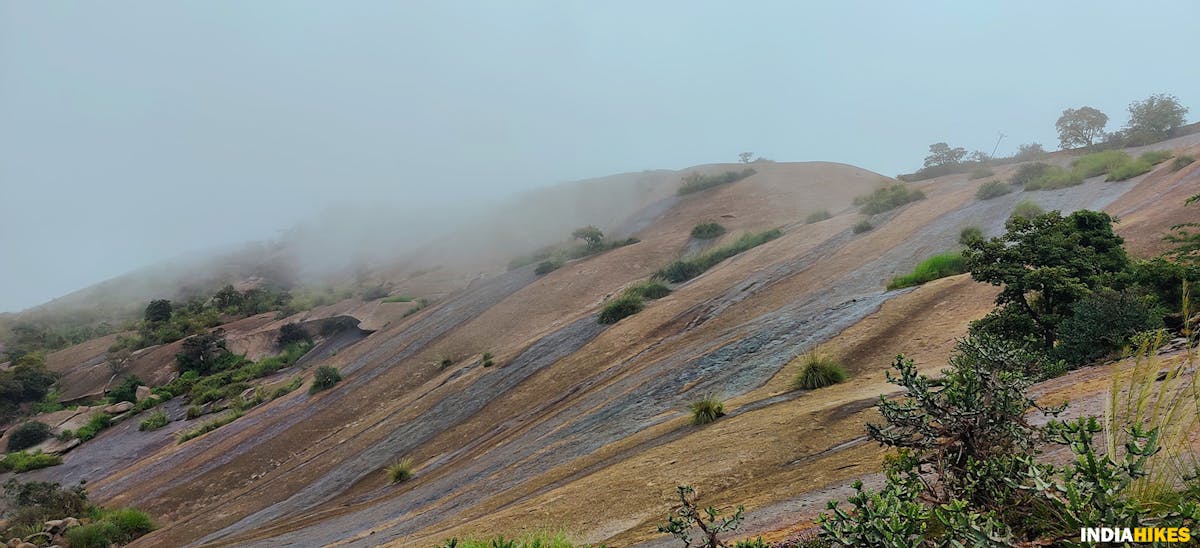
1135,534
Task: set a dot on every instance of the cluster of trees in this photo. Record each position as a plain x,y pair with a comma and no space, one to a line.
1150,120
26,381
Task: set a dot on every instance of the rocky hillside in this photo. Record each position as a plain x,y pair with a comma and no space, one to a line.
520,411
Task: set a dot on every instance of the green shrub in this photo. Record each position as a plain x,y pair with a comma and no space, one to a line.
970,234
707,410
1155,157
1054,178
684,270
94,425
695,182
539,539
128,523
707,231
1028,173
194,411
287,388
1104,322
992,189
156,420
1182,162
488,360
817,216
28,434
32,503
126,391
818,371
546,267
937,266
887,199
1129,170
209,426
324,378
1027,209
981,172
22,461
620,307
400,471
292,333
399,299
92,535
863,226
1098,163
649,290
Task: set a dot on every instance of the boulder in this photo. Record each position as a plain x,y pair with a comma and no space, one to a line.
118,408
143,392
53,526
70,522
27,545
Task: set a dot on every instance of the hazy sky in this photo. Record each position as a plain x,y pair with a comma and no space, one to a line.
131,132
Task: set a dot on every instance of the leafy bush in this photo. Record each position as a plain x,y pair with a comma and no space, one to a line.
94,425
35,502
546,267
981,172
1099,163
1182,162
400,471
290,333
92,535
1026,209
1129,170
1028,173
817,216
209,426
695,182
156,420
620,307
1104,322
1053,178
126,391
707,410
684,270
863,226
488,360
970,234
707,231
130,524
194,412
818,371
937,266
992,189
28,434
324,378
22,461
887,199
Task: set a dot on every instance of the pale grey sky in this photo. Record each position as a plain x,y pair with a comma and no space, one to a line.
135,131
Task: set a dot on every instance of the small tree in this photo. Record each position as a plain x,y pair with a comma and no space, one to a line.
292,333
201,352
228,298
28,435
1030,151
1080,127
591,236
745,157
159,310
689,515
941,154
1156,116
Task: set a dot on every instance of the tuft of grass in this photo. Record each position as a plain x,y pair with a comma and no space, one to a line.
1028,173
156,420
92,535
992,189
981,172
287,388
937,266
1182,162
707,410
488,360
94,425
707,231
695,182
324,378
399,299
970,234
1027,209
1053,178
1098,163
817,216
683,270
210,426
818,371
649,290
863,226
621,307
23,461
400,471
129,523
194,411
1129,170
1155,157
887,199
